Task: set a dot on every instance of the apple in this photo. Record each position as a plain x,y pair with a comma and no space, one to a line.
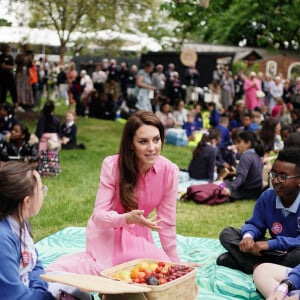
141,275
125,275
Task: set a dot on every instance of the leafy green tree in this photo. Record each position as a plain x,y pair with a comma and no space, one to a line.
4,22
272,23
69,16
244,67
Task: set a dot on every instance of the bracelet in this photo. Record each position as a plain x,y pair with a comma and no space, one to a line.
282,288
289,284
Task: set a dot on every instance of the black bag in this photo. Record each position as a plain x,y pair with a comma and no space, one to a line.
208,193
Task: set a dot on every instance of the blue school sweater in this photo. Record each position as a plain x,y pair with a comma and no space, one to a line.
269,214
248,173
11,282
202,167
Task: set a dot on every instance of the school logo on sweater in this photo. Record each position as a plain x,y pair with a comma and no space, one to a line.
276,228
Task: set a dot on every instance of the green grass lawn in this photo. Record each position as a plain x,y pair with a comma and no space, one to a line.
71,195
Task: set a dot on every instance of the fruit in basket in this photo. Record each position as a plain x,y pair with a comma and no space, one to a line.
162,280
153,266
161,264
141,275
125,275
152,273
134,273
152,280
143,266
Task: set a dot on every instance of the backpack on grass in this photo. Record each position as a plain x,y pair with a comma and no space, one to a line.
208,193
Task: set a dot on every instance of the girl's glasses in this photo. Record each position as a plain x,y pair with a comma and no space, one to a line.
281,177
44,190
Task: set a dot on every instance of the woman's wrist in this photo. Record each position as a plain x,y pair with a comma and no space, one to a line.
126,217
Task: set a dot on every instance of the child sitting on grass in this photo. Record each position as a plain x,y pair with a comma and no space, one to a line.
190,126
202,166
248,181
22,195
20,145
69,132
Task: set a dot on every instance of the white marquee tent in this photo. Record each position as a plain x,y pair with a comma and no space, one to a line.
48,37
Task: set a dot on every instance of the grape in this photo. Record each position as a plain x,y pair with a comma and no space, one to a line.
152,280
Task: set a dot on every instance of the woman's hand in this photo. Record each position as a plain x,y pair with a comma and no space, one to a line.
137,217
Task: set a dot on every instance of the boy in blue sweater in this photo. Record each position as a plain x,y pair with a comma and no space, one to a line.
277,211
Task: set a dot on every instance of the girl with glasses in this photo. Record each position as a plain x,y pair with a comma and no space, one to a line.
21,197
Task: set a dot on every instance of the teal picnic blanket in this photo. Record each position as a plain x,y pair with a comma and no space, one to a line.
214,282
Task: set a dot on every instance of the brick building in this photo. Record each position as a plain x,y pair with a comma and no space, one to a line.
286,65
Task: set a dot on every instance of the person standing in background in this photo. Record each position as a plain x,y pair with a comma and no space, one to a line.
71,74
99,78
7,79
227,89
276,92
62,85
113,80
159,82
251,86
191,79
24,91
144,89
238,87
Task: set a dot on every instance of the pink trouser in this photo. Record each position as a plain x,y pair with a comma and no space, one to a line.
43,145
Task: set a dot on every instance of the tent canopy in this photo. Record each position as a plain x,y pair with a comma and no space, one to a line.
48,37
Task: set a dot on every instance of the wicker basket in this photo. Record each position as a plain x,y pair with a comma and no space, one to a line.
184,287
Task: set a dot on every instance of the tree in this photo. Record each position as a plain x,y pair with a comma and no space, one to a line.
4,22
70,16
272,23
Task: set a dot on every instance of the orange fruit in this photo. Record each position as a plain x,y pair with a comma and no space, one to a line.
134,273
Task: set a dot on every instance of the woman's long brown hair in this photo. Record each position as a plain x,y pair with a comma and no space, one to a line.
127,160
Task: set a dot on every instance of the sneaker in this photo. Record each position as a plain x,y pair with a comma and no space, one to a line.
227,260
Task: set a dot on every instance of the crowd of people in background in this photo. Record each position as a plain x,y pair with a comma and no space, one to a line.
235,102
251,117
